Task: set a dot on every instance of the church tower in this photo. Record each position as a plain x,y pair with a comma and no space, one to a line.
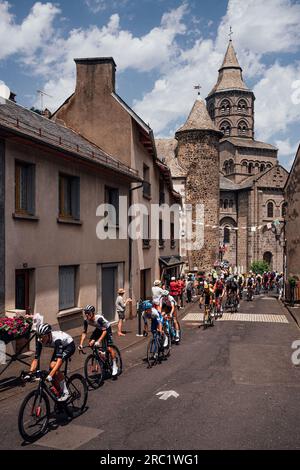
231,103
198,155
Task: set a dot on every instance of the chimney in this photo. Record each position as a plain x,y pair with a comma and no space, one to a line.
95,75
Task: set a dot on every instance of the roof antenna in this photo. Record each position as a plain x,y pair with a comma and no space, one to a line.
42,94
230,34
198,87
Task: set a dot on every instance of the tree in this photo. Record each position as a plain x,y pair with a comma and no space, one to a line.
259,267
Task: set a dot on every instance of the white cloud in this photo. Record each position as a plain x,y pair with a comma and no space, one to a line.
99,5
285,147
28,36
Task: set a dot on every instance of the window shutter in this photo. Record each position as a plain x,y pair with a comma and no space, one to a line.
66,287
30,170
75,194
115,202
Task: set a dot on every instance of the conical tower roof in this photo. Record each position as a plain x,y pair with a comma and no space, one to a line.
230,73
198,119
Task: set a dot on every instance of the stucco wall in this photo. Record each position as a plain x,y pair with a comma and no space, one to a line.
293,220
44,245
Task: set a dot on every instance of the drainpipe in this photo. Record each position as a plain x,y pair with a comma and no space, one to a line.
130,247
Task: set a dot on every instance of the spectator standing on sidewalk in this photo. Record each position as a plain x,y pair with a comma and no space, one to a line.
174,289
181,288
189,289
121,304
280,286
157,292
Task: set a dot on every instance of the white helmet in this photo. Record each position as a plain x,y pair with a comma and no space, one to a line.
43,329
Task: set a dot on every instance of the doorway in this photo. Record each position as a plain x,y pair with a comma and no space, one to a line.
145,286
109,290
22,294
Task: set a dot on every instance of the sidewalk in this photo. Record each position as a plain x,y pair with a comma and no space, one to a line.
294,311
10,385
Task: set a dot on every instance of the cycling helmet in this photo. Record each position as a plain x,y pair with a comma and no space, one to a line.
146,305
43,329
165,292
89,309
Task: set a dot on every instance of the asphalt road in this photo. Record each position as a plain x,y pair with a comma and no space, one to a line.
237,386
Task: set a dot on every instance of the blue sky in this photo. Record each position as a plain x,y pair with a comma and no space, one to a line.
162,49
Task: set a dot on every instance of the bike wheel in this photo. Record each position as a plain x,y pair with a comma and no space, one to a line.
93,371
118,359
152,352
166,351
34,416
78,390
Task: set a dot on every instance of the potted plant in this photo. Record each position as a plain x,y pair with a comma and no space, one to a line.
14,328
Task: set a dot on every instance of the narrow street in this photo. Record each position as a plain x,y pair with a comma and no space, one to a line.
237,386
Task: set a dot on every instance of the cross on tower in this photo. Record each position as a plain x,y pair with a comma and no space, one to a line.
230,33
197,87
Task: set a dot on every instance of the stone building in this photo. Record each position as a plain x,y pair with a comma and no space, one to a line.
292,195
251,198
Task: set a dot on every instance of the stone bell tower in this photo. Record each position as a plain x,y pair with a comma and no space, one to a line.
198,154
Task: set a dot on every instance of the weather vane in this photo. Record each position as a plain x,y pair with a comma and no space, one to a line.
230,33
197,87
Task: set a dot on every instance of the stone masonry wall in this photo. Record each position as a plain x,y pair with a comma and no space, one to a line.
198,153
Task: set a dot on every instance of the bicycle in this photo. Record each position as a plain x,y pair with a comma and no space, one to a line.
232,302
99,364
218,307
209,316
155,349
249,294
34,413
171,330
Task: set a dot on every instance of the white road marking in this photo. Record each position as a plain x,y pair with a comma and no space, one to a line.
249,317
167,394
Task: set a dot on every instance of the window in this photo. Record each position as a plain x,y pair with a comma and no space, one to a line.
24,188
226,235
242,128
69,197
270,209
221,203
146,182
161,235
250,168
226,204
225,128
112,198
146,230
225,107
173,241
283,210
242,106
67,278
230,166
262,167
230,204
161,191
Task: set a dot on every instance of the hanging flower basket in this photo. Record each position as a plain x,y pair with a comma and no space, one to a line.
14,328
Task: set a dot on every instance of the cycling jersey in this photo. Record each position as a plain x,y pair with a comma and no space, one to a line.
99,322
156,318
61,343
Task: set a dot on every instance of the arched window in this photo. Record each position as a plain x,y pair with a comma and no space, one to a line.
226,204
211,111
225,128
242,106
250,168
230,166
225,107
242,128
270,209
283,210
245,167
226,235
226,167
230,204
262,167
269,166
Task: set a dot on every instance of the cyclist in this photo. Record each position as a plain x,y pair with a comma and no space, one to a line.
208,299
150,312
167,306
250,286
219,291
232,288
64,347
102,333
